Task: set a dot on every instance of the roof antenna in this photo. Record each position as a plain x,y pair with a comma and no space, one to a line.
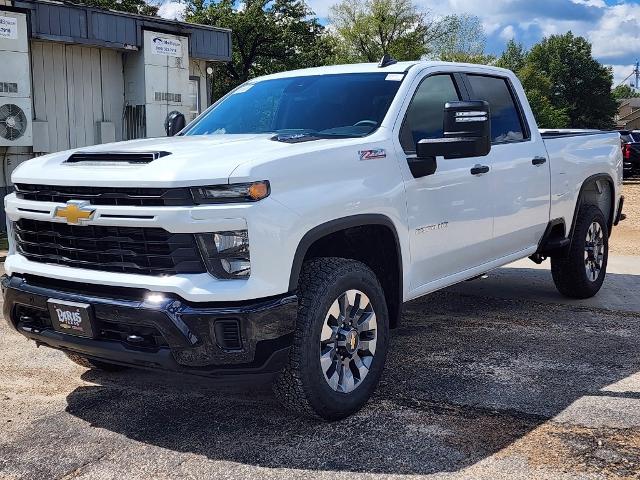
386,60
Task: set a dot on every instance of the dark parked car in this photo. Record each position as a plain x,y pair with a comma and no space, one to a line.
631,153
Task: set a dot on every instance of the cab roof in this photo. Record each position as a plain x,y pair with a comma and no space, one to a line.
399,67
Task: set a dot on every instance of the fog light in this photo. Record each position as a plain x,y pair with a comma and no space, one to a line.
154,298
226,253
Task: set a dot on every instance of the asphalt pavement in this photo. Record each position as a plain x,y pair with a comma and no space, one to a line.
495,378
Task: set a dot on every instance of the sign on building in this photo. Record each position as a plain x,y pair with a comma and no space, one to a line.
8,27
166,46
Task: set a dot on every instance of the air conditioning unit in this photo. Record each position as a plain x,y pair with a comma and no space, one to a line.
15,122
15,83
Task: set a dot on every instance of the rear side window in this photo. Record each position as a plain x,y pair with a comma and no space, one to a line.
506,123
425,115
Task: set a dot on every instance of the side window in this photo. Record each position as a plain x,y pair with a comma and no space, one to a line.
506,123
425,115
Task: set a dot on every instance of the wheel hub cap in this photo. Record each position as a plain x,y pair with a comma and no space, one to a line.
348,341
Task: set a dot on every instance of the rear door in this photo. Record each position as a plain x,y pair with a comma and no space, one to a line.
519,184
450,213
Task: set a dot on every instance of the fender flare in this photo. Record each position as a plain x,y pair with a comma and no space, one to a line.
337,225
612,208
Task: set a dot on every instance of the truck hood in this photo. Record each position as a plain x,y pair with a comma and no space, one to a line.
193,160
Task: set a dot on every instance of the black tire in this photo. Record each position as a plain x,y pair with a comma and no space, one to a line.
302,386
94,364
569,273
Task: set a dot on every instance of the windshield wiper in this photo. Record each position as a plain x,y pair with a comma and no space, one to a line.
308,137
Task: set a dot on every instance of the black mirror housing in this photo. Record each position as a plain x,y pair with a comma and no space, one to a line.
467,132
174,123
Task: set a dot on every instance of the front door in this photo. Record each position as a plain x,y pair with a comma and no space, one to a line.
450,213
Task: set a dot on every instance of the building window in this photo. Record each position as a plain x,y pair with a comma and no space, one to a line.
194,98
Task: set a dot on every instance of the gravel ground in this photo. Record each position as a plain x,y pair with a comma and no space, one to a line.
477,386
626,236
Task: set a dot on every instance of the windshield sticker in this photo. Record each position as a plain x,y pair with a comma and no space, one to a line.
372,154
243,88
395,77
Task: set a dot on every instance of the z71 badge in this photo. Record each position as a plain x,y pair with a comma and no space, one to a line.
372,154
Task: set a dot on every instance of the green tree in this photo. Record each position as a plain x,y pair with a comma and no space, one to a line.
268,36
365,30
463,40
513,57
539,90
536,85
579,85
130,6
624,91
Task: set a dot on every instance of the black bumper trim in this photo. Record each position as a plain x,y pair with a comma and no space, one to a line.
266,328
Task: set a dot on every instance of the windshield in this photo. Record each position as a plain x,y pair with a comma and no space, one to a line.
347,105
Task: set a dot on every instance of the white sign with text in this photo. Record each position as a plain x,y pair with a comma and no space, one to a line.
166,46
8,27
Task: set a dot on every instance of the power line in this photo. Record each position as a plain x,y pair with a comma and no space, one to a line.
636,72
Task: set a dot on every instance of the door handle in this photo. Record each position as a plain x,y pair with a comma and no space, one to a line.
479,170
539,161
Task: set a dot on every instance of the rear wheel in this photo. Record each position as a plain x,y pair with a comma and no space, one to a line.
581,273
94,364
340,343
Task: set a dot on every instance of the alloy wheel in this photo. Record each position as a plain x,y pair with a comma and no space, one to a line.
594,251
348,341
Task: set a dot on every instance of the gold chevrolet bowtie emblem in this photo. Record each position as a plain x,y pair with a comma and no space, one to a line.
353,342
75,212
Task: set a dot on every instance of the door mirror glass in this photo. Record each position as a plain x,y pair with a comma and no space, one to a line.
467,132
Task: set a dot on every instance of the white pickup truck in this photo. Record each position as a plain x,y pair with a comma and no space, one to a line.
277,236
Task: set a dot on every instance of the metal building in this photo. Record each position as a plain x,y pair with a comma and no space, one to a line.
73,76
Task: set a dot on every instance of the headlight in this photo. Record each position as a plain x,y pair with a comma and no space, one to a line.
226,254
236,192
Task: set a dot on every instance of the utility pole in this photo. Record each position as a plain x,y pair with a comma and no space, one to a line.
637,72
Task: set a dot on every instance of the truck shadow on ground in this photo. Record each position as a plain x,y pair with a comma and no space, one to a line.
467,376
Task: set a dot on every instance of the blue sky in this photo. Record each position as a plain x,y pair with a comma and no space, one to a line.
613,26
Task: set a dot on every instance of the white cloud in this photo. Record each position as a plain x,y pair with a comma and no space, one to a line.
617,34
172,10
508,33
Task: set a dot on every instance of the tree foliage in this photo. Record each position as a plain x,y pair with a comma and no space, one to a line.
268,36
578,84
624,91
513,57
365,30
463,40
140,7
565,85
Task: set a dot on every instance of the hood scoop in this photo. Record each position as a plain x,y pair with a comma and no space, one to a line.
115,158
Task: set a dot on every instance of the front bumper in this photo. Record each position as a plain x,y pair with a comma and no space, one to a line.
231,341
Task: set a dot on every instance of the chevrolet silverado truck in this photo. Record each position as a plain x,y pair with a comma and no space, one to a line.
277,236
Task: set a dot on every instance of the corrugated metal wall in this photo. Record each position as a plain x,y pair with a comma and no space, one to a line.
74,88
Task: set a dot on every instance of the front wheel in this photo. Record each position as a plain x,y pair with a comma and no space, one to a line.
581,273
340,342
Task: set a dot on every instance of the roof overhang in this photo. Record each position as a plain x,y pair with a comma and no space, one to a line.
79,24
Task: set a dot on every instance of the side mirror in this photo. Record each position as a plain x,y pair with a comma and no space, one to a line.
174,123
467,132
